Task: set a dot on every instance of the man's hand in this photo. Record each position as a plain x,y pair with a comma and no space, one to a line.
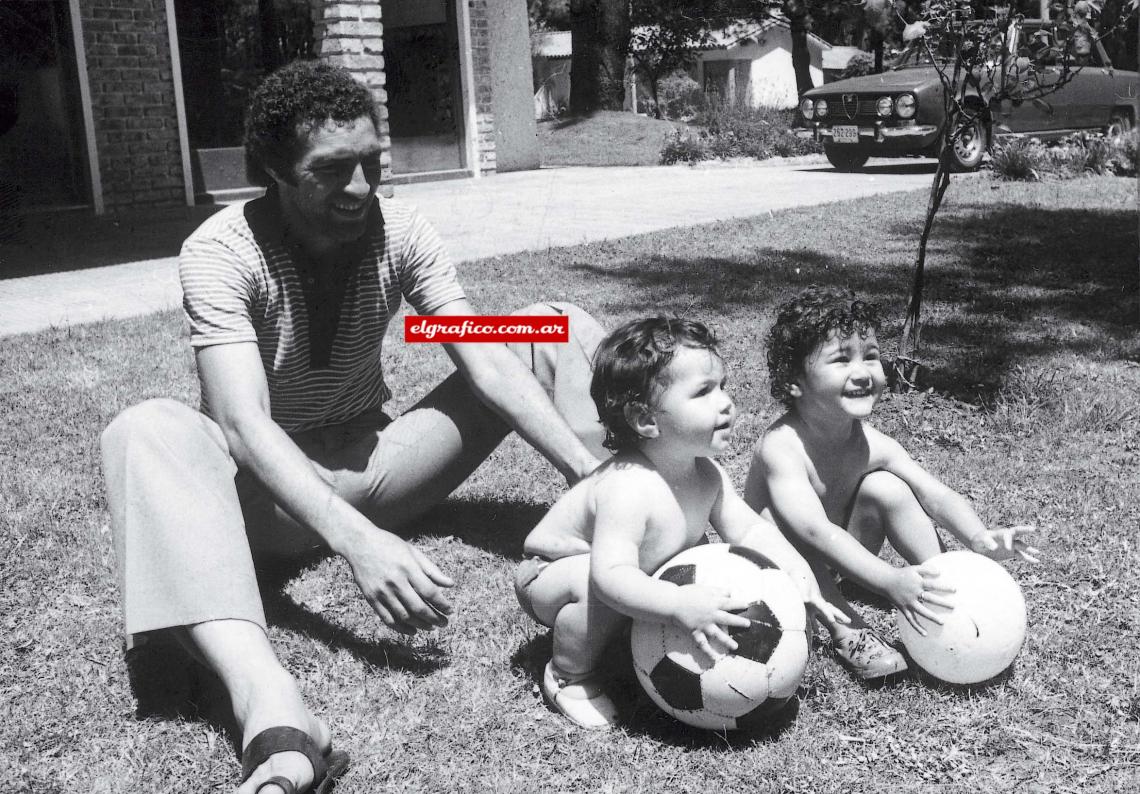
400,583
914,587
1004,544
702,611
582,468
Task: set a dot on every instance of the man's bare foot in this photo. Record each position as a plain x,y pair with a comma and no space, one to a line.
280,705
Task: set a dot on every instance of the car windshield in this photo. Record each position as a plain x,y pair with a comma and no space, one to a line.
916,54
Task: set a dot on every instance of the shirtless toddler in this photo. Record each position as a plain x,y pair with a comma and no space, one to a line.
659,385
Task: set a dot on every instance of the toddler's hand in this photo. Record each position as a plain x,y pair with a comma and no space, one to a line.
913,588
1004,544
827,611
702,611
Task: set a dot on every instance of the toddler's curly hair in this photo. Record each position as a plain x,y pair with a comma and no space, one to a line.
291,101
804,323
630,369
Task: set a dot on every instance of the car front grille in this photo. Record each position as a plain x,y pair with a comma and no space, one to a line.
861,109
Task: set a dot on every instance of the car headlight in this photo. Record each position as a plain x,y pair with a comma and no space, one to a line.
905,105
884,106
807,108
821,108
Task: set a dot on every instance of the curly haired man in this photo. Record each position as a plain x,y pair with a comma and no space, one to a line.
288,298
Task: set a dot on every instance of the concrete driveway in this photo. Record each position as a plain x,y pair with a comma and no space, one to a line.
506,213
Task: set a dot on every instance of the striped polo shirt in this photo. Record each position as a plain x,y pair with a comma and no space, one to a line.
319,336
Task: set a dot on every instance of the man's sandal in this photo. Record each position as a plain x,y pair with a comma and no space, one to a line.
284,739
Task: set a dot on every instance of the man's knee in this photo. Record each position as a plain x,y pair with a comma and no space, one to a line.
583,326
545,309
144,419
159,425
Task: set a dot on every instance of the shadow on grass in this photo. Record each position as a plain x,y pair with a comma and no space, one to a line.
924,166
964,692
1004,283
638,715
280,610
499,527
168,684
567,120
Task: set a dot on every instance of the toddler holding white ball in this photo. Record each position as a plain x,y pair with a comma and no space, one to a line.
838,488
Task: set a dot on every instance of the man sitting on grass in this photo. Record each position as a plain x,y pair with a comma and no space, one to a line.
288,298
838,487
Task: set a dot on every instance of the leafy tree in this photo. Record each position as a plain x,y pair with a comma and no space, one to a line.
665,37
667,34
967,45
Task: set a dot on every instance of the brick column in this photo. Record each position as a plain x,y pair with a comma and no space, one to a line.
350,33
132,102
481,65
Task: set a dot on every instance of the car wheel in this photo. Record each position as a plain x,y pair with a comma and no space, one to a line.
968,148
1118,126
845,158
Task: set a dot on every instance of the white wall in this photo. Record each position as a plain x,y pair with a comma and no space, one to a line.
773,80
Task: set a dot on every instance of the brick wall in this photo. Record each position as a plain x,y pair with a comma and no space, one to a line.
132,102
350,33
481,65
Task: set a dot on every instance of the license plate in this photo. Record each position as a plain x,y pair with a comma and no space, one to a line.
845,134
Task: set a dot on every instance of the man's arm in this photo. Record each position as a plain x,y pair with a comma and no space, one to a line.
508,388
401,584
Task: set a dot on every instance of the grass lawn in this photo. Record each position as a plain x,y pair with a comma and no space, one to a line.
608,137
1034,342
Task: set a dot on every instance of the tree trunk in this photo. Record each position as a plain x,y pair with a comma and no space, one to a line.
907,368
270,35
799,22
599,37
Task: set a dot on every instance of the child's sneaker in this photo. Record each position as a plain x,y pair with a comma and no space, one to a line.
581,699
868,654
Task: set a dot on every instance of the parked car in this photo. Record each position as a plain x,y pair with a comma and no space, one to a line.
900,111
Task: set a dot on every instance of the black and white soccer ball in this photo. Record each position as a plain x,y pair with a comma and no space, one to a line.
743,689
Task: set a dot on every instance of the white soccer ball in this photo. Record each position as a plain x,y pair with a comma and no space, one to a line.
984,631
740,690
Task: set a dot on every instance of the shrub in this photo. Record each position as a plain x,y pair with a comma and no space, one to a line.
1020,160
683,147
861,63
738,131
1126,155
1029,160
681,97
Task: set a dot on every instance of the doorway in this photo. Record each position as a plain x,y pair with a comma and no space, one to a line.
42,149
425,106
